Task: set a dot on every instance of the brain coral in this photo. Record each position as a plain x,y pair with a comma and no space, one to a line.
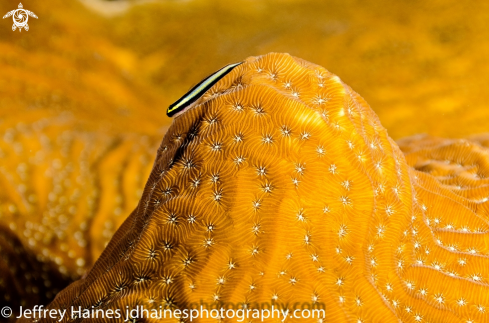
64,193
281,186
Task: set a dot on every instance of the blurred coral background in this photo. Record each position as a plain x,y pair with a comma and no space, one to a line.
421,65
105,72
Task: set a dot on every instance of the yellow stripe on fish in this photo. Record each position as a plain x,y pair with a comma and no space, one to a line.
199,90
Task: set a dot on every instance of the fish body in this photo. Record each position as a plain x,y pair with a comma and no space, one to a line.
198,90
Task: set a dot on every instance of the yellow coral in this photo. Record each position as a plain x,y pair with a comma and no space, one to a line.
281,186
64,193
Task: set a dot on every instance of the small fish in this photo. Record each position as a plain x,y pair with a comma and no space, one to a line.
198,90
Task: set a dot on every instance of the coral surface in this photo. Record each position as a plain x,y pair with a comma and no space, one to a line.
82,101
64,193
281,186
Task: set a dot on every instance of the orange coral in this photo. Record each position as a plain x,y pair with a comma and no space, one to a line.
414,62
281,186
461,165
62,199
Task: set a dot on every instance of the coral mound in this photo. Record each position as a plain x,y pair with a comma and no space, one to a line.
280,186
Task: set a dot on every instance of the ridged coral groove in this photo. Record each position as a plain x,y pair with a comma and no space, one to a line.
281,186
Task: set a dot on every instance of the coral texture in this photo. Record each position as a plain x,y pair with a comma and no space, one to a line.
281,186
64,193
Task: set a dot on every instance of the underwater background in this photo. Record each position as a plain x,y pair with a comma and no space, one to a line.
421,65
